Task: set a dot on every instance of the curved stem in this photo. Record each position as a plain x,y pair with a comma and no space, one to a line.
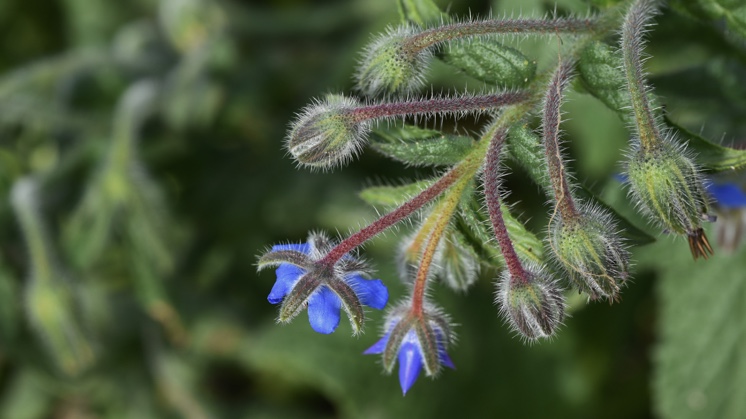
450,202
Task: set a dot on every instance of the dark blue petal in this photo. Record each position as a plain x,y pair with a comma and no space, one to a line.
727,195
303,247
378,347
372,292
410,364
323,310
287,276
446,360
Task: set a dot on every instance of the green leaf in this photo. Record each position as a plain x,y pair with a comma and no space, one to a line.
700,370
600,69
713,157
475,227
732,11
524,147
420,12
392,196
421,147
491,62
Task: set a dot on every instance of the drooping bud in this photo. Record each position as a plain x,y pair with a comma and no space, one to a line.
392,65
591,251
534,305
417,340
667,185
326,134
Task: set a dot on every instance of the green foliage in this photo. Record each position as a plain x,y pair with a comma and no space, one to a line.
152,213
421,147
701,370
492,63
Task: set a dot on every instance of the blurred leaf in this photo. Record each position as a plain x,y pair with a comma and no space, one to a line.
491,62
392,196
700,370
421,147
732,11
420,12
711,156
9,307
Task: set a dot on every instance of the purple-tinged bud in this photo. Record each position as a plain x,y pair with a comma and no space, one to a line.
534,305
668,187
417,341
326,134
591,251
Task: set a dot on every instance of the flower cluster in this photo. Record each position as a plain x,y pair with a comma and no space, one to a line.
466,229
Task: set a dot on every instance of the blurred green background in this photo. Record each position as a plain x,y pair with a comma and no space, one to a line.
141,154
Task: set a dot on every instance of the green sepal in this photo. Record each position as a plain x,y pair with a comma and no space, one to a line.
420,12
492,63
712,157
421,147
392,196
524,147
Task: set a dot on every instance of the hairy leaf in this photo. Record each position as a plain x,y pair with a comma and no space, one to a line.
420,12
392,196
700,370
713,157
492,62
421,147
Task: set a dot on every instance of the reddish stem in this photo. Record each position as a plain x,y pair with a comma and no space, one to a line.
437,105
492,196
404,211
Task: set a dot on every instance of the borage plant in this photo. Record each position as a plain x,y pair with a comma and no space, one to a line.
462,221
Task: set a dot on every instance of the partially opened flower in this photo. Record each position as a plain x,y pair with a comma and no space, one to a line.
417,340
303,282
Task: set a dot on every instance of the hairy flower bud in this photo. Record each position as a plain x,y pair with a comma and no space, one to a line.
667,185
326,134
534,305
390,65
592,252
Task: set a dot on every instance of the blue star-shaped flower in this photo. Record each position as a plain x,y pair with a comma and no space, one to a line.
402,338
727,195
301,282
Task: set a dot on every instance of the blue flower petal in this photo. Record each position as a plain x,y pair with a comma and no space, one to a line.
410,364
287,276
727,195
446,360
303,247
323,310
372,292
378,347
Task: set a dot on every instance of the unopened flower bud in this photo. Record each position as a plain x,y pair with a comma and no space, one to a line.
326,133
391,65
592,252
534,305
668,187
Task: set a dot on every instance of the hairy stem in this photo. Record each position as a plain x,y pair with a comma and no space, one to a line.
430,37
450,202
437,105
550,122
633,29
